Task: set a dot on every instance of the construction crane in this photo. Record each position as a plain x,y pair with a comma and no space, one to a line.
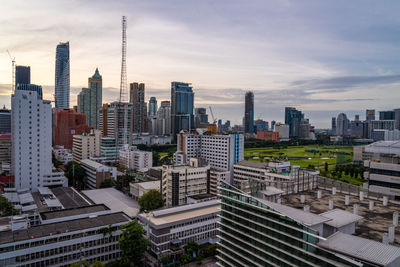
212,115
13,71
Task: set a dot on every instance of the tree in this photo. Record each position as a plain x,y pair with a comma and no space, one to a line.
98,264
326,166
192,247
76,175
80,264
185,258
156,158
107,183
6,207
151,200
132,243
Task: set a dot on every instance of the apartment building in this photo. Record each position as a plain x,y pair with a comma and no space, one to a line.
132,158
169,230
137,190
96,173
5,152
86,145
180,181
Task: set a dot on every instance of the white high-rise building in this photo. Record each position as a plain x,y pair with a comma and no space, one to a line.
132,158
31,131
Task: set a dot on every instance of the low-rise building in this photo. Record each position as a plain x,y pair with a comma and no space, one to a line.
96,173
180,181
132,158
86,145
169,230
138,189
62,154
282,130
268,136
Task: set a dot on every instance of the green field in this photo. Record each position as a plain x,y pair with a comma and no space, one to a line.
301,155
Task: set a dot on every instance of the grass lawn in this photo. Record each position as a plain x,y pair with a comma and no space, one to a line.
301,155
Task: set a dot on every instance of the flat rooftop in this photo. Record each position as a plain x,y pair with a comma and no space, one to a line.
372,225
252,164
62,227
49,215
69,197
202,196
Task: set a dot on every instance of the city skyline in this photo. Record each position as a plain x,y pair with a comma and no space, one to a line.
315,62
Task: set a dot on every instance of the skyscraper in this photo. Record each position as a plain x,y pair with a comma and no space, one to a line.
200,116
164,118
5,121
139,109
342,125
62,75
293,118
333,125
152,107
22,75
249,112
386,115
370,114
90,100
182,98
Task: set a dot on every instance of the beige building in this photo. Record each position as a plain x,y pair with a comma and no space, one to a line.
86,145
132,158
137,190
97,173
179,182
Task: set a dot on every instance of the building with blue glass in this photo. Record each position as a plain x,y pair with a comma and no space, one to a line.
62,81
182,100
293,118
249,112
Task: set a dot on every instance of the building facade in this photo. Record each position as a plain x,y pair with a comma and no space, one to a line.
249,112
293,118
22,75
182,104
90,100
152,112
5,121
268,136
86,145
164,118
132,158
62,83
139,109
97,173
200,117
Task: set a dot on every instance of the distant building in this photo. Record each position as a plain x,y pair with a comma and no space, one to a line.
109,149
200,117
139,108
333,126
283,130
90,100
22,75
97,173
62,154
268,136
182,104
5,152
385,135
164,118
137,190
356,127
249,112
5,121
68,123
261,125
342,127
176,178
381,125
132,158
370,114
273,125
304,129
292,119
386,115
152,107
62,76
86,145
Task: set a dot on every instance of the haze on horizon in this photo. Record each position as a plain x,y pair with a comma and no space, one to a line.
321,57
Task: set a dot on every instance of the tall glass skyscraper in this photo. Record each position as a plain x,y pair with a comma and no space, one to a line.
62,75
152,107
249,112
182,98
139,108
293,118
22,75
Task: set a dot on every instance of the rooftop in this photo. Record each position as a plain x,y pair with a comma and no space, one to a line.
113,199
148,185
372,225
72,212
340,217
69,197
92,163
62,227
252,164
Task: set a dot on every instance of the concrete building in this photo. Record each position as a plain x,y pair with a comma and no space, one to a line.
180,181
385,135
90,100
282,130
249,112
342,125
62,83
137,190
200,117
5,152
220,151
139,108
292,119
62,154
66,124
258,232
182,104
164,118
5,121
356,127
97,173
370,115
268,136
22,75
31,156
152,110
169,230
386,115
86,145
333,126
304,129
149,139
109,150
132,158
381,125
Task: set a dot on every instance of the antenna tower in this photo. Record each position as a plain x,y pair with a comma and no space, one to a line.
123,90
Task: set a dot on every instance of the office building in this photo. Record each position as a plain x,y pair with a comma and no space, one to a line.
333,126
137,190
258,232
152,107
293,118
139,109
249,112
217,177
200,117
356,127
86,145
268,136
370,115
31,142
90,100
381,125
5,153
115,122
343,125
62,154
31,87
220,151
134,159
109,149
261,125
282,130
22,75
169,230
62,82
273,125
182,99
385,135
386,115
66,124
97,173
181,181
5,121
164,118
304,129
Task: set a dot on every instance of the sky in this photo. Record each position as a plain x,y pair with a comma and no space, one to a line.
322,57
